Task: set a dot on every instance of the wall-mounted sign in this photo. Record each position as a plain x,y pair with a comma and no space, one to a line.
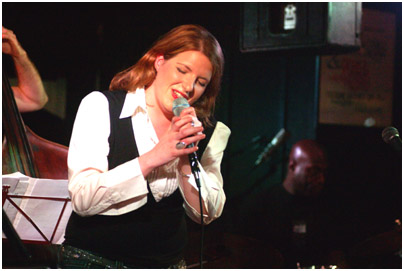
357,88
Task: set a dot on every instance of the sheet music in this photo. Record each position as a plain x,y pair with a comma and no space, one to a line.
43,212
18,186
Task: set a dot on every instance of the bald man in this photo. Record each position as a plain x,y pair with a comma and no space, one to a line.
306,169
293,216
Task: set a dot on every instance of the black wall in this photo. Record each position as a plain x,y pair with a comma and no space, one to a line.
262,92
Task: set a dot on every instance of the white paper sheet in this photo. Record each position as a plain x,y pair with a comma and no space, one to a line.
43,212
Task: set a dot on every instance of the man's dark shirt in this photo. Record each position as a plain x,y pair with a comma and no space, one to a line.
304,230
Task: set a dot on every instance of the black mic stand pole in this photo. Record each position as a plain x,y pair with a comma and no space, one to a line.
193,161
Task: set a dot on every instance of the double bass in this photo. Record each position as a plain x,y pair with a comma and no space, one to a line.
25,152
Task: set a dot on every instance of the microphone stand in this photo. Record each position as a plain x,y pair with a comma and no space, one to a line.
193,161
180,104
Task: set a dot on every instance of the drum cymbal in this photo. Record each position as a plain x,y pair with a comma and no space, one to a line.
228,250
380,244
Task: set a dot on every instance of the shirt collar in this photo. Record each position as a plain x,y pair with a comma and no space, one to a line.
135,102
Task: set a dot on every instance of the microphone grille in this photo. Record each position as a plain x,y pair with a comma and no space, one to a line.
179,104
388,133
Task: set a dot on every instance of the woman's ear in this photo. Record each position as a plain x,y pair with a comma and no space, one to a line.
158,62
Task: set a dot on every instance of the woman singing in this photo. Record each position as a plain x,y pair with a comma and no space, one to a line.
130,178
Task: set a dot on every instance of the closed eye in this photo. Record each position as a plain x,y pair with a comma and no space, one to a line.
202,84
181,70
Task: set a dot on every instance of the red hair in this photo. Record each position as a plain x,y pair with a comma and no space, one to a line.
180,39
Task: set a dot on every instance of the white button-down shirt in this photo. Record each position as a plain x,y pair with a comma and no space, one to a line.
96,190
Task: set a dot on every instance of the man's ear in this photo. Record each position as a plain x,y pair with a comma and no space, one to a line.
291,165
158,62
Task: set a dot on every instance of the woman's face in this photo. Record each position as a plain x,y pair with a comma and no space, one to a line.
184,75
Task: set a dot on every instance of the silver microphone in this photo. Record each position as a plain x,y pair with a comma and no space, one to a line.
271,147
180,104
391,136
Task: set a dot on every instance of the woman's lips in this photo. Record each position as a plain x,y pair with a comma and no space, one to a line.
178,94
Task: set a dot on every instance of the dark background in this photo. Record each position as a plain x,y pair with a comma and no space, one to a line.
262,92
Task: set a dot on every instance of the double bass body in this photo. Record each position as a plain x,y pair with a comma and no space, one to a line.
23,150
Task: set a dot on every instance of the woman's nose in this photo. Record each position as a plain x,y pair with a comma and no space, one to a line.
188,84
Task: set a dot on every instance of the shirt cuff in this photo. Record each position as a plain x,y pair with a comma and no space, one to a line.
132,185
213,196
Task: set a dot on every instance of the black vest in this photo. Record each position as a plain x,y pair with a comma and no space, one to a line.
153,236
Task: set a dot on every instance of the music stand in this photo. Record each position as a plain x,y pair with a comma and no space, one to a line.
34,225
